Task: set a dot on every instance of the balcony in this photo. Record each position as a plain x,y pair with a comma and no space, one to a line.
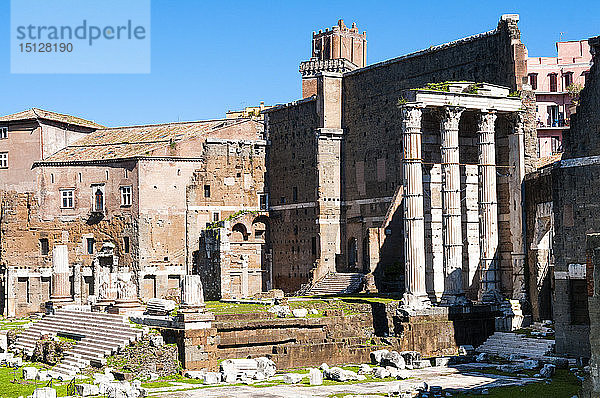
314,66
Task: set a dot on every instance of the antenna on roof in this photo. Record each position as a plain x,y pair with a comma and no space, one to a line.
561,35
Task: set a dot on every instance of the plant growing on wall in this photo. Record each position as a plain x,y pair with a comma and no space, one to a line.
574,91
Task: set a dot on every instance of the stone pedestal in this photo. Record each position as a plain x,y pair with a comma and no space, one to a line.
61,285
127,300
414,225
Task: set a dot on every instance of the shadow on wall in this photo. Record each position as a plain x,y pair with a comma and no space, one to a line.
389,272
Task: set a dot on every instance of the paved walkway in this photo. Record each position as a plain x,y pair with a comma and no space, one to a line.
444,377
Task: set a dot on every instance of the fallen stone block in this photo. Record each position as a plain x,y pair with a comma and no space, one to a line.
381,373
481,357
394,359
531,364
466,349
247,366
229,377
300,313
510,368
212,378
377,356
410,356
156,340
161,307
392,371
87,390
324,366
281,311
29,373
339,374
364,369
442,361
44,392
43,376
292,378
422,364
548,370
194,374
266,367
315,377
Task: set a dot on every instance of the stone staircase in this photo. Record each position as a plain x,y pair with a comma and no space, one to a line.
337,283
506,344
97,335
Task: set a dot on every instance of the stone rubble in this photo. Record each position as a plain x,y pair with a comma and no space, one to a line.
300,313
281,311
292,378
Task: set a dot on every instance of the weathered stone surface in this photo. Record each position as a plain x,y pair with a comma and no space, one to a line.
211,378
377,356
393,359
292,378
86,390
548,370
29,373
531,364
266,367
300,312
410,356
44,392
156,340
280,310
364,369
380,372
315,377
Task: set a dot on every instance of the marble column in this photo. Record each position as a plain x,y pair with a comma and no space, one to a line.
451,207
414,227
61,285
488,208
192,294
516,160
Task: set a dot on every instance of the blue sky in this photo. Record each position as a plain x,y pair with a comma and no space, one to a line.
211,56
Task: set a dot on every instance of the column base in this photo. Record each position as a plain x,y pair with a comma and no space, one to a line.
450,300
492,297
415,302
123,307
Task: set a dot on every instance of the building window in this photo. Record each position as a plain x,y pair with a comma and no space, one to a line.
44,247
66,199
295,194
263,200
568,77
3,160
80,177
126,196
126,244
282,200
3,133
90,245
98,198
216,216
553,82
533,80
207,191
313,246
585,77
106,175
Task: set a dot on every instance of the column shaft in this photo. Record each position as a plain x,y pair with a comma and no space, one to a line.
414,228
451,206
488,207
61,286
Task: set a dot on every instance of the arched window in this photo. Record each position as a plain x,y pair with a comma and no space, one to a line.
98,198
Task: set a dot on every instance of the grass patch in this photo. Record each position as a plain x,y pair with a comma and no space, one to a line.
563,384
157,384
20,387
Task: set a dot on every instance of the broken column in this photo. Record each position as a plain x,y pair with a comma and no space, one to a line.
451,207
415,295
488,207
191,314
61,285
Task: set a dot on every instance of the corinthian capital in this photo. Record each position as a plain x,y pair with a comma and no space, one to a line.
411,116
487,120
451,117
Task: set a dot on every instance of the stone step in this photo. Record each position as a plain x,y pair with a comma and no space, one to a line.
101,338
81,328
